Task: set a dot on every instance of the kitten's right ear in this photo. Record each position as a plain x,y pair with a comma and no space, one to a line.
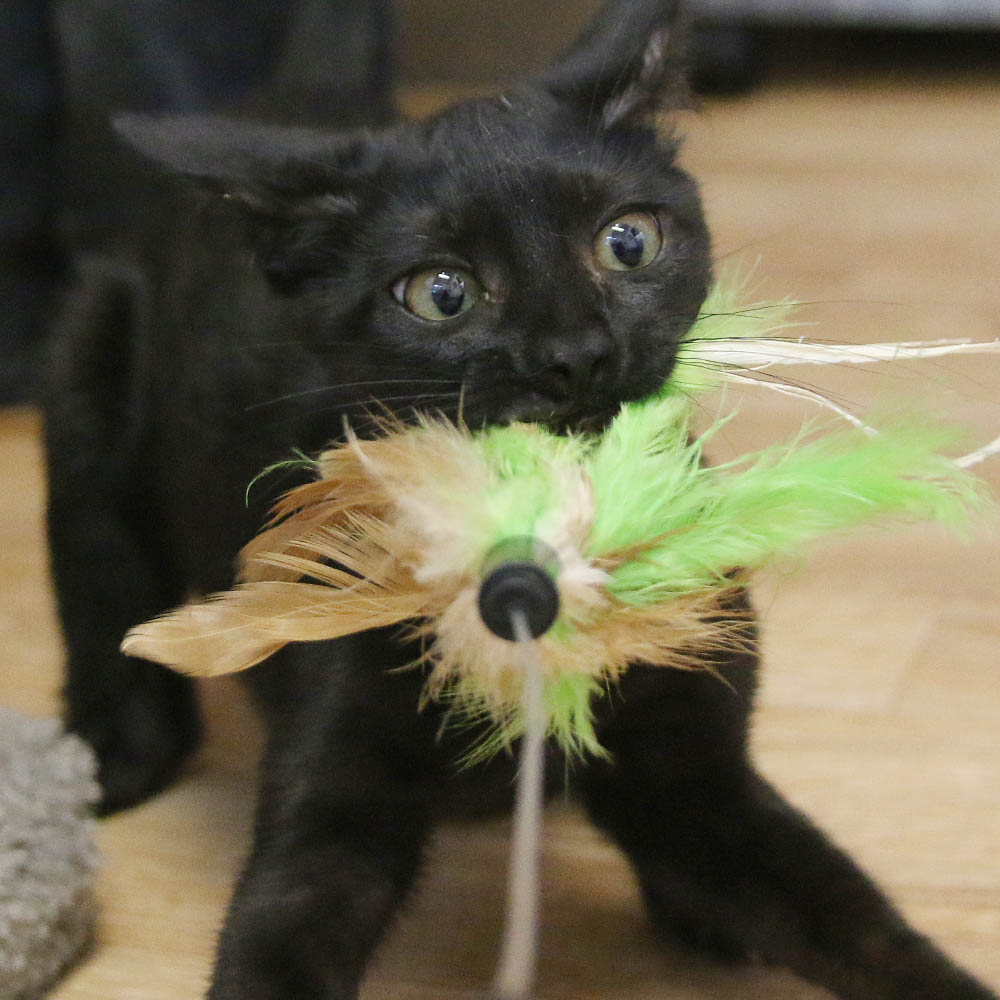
629,63
266,167
296,185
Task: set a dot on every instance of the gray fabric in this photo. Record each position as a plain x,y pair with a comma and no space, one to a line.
48,858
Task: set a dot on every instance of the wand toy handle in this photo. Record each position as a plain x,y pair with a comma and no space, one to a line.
519,601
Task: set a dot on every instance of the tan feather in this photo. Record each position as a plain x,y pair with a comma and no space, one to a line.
237,629
377,541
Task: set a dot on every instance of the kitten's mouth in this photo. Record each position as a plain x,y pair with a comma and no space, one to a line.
562,421
588,423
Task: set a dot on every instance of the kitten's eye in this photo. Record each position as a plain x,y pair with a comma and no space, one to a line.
438,293
631,242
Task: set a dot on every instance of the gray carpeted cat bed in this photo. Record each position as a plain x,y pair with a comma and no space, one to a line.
48,859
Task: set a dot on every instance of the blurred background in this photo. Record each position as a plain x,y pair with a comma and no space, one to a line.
849,156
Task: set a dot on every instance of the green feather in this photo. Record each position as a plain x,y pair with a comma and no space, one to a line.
694,524
301,462
770,504
568,701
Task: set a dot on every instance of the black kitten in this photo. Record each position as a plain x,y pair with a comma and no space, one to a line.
536,256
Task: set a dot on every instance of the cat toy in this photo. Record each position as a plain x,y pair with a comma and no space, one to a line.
535,567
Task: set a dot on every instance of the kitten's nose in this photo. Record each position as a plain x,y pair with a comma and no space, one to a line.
578,363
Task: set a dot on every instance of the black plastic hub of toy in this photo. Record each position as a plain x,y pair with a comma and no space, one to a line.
519,575
522,587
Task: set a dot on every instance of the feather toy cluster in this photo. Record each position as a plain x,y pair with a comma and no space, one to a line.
650,542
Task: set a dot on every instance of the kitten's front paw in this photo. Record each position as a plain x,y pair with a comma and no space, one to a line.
141,739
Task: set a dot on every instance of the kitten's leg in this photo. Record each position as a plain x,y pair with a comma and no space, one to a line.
727,865
349,782
140,718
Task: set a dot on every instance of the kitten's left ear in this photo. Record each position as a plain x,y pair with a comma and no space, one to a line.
628,64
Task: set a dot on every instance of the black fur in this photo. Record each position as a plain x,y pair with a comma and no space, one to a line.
245,312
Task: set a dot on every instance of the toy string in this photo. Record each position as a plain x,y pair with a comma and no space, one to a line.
516,969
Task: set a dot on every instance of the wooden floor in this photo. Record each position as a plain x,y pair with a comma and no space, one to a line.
878,199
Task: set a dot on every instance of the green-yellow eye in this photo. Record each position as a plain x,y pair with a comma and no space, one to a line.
438,293
628,243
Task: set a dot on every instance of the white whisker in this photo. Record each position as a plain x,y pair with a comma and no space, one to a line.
337,386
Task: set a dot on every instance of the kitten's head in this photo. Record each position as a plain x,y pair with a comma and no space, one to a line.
540,252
